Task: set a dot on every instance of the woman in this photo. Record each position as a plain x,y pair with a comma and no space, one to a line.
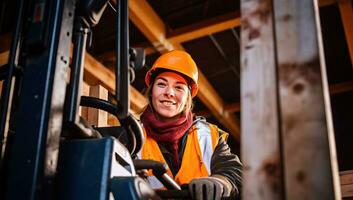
195,151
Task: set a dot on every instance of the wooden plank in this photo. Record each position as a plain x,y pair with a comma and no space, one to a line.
94,116
233,107
309,156
347,190
327,2
341,87
260,130
1,83
5,42
97,73
83,111
4,58
346,179
346,11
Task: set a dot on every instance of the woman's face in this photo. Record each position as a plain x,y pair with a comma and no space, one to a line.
169,95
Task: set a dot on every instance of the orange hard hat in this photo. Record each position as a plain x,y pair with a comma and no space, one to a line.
178,61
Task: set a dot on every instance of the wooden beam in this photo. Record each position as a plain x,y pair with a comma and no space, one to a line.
1,83
304,103
346,11
214,25
148,22
233,107
5,42
260,141
143,16
4,56
341,87
327,2
184,34
346,179
83,111
96,73
205,28
94,116
286,111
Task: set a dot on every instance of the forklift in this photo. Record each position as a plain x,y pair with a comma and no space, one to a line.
47,150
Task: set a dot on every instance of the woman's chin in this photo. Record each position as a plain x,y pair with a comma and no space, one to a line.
165,116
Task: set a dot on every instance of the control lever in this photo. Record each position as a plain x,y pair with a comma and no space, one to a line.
159,170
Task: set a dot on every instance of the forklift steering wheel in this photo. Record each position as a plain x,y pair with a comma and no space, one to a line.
130,124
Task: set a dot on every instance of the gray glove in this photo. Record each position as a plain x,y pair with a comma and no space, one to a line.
208,188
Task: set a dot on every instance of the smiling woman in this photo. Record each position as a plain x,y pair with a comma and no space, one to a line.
169,95
195,151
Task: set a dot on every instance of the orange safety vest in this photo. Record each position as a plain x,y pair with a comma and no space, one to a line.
196,161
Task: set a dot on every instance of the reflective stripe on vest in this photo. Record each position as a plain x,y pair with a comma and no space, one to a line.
196,161
205,143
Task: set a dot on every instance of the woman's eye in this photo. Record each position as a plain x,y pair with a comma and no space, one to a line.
179,88
161,84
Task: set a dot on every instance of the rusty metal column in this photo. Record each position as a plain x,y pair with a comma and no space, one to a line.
309,150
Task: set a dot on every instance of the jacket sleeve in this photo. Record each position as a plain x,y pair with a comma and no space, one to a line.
227,166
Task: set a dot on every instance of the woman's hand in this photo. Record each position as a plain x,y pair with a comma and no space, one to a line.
210,188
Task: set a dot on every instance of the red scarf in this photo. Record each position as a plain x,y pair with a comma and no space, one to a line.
168,132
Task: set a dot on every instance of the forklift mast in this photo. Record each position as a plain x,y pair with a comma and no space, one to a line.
47,150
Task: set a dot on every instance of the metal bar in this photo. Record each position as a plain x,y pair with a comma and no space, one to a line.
122,69
76,74
224,56
235,34
39,111
118,50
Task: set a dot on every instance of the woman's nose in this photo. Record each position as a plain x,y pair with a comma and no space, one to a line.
170,91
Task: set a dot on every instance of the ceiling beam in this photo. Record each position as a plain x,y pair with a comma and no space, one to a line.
327,2
346,10
214,25
5,42
341,87
204,28
149,23
4,56
183,34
